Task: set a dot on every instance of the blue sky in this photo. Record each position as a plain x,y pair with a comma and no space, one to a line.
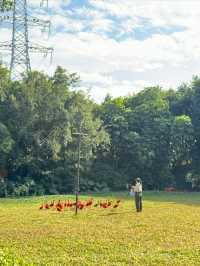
119,47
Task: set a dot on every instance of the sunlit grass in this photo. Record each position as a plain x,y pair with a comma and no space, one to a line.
167,232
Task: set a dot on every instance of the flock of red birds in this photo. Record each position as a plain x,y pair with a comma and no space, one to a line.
61,206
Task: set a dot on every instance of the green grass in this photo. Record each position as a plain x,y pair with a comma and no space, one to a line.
167,232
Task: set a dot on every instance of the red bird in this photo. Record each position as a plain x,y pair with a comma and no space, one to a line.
81,206
59,204
96,205
70,204
103,205
47,206
58,209
66,203
41,207
52,204
89,203
109,203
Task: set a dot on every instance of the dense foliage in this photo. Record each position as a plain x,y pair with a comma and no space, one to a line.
154,134
5,5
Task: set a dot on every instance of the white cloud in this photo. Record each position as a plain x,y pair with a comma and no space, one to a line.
67,23
94,54
95,43
53,4
160,12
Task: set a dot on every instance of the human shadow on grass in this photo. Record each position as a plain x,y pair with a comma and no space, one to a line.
185,198
115,213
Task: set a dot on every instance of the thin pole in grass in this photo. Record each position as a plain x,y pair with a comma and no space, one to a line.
80,134
77,190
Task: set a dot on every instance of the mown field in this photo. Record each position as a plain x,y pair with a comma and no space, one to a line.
167,232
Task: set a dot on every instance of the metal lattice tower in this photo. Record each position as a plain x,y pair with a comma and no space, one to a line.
20,61
20,46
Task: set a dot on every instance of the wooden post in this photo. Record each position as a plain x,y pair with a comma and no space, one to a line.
78,172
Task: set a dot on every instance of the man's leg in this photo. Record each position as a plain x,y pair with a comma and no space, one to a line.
140,203
137,201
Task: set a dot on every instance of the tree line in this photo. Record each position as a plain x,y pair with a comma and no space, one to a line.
154,134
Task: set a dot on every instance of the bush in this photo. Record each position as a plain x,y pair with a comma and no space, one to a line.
25,189
3,188
17,189
104,173
87,185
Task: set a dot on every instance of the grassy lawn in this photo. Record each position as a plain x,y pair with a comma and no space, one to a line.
167,232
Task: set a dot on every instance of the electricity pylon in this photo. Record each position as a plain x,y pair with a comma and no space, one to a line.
20,45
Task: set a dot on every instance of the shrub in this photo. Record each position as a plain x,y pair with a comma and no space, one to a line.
87,185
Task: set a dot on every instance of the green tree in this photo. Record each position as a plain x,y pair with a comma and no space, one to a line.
181,147
6,5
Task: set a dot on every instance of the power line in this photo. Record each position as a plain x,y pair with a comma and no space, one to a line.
20,45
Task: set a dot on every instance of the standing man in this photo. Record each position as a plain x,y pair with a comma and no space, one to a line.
138,194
